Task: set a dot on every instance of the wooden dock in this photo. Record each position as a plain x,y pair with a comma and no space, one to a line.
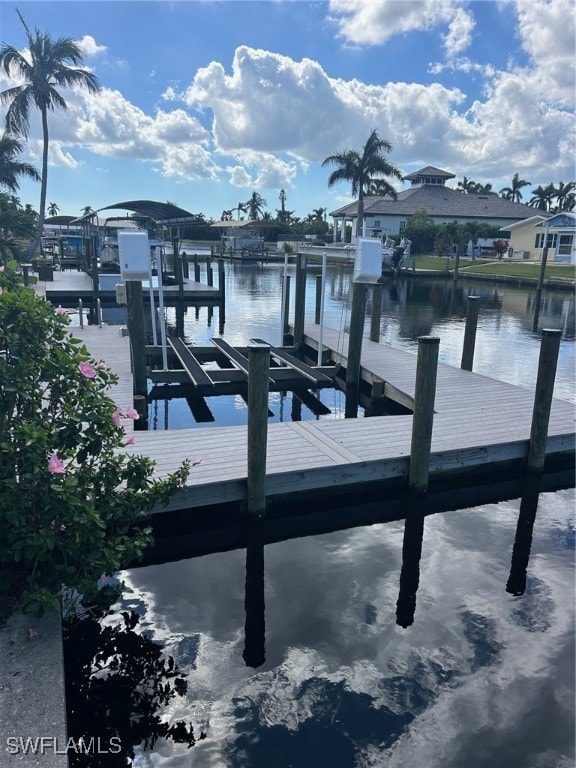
479,424
69,286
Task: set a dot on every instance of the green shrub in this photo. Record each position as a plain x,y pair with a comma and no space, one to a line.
72,500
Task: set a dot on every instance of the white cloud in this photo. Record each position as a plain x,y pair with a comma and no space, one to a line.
89,46
373,22
459,34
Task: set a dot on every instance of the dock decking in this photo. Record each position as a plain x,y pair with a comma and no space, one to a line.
478,422
69,286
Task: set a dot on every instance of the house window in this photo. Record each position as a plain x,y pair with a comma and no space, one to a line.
376,223
552,238
402,226
566,242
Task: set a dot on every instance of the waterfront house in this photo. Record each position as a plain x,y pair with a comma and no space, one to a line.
384,216
528,236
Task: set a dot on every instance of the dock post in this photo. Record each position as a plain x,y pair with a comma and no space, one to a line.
80,313
456,266
141,406
209,274
185,265
376,313
547,363
355,334
222,295
137,336
300,300
258,377
99,313
318,304
424,396
472,307
196,269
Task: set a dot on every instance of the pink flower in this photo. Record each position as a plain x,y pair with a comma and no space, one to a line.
1,290
130,440
87,370
196,461
132,413
56,465
102,366
60,310
116,416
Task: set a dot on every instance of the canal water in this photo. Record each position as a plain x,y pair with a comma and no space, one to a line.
290,655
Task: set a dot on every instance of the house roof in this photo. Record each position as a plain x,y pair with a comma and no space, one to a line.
533,220
438,201
429,170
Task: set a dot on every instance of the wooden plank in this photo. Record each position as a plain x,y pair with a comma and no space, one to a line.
197,374
307,371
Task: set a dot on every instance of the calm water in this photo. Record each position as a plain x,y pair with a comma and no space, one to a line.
482,678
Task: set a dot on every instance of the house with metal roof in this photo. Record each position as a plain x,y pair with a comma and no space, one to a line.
386,216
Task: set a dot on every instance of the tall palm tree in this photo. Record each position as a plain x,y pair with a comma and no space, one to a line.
53,209
16,225
542,197
46,66
255,206
513,192
381,188
10,167
361,169
564,196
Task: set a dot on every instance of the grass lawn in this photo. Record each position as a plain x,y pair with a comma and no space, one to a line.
510,269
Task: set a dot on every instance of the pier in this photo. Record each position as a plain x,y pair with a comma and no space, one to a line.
481,428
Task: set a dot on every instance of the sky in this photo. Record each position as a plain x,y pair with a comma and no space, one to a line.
205,101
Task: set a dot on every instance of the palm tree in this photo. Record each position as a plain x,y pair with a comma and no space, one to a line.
10,167
513,191
564,195
361,169
16,225
48,65
467,185
226,215
542,197
53,209
87,209
381,188
255,205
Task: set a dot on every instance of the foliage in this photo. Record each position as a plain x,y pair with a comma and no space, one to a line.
361,169
118,683
10,167
422,231
45,66
16,227
72,497
500,247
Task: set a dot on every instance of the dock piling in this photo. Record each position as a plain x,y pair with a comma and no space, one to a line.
318,304
286,309
300,300
472,307
547,363
355,334
80,313
137,336
424,396
376,313
258,373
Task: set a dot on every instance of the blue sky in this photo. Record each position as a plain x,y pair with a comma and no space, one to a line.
203,102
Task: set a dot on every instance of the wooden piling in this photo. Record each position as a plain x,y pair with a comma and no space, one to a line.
355,334
137,336
423,418
80,313
376,315
258,372
547,363
456,267
25,273
472,307
196,269
300,300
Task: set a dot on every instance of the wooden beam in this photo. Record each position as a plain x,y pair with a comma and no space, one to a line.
191,365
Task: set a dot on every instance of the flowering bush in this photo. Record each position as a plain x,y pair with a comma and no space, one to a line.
72,502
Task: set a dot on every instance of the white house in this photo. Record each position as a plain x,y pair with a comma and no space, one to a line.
385,216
